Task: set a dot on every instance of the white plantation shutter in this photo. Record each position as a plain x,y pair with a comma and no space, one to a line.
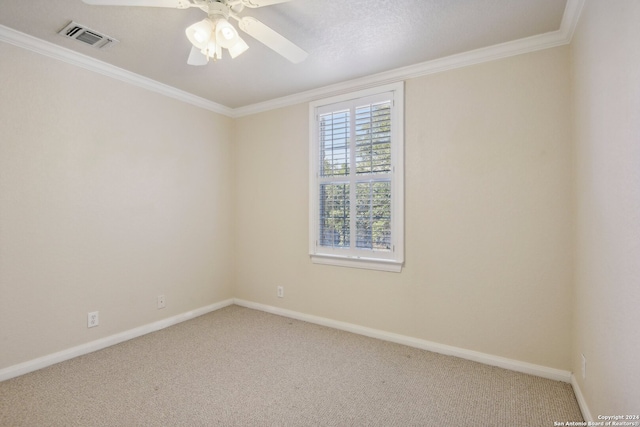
373,133
334,136
373,215
356,180
335,214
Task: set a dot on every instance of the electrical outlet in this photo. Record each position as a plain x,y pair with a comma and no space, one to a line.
280,292
584,367
92,319
161,303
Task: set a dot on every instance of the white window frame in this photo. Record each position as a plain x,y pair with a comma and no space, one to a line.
360,258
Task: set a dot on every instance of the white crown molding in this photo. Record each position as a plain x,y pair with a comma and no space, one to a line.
476,356
517,47
90,347
69,56
491,53
570,19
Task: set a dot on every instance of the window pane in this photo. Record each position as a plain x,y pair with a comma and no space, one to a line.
334,143
334,215
373,138
373,215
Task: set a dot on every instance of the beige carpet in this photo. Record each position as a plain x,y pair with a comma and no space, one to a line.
240,367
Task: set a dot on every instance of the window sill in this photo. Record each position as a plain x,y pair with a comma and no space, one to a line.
364,263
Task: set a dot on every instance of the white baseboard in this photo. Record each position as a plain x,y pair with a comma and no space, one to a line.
487,359
582,403
51,359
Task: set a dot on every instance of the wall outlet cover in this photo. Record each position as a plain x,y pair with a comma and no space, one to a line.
93,319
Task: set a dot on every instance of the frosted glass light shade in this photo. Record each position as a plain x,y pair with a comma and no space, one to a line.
226,34
199,34
238,48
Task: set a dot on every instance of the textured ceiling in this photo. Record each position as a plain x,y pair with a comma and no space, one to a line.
345,39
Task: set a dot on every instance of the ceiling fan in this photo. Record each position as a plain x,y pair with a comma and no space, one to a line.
215,32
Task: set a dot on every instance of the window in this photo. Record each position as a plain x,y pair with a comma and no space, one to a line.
356,179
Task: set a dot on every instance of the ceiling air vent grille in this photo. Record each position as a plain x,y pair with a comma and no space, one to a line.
86,35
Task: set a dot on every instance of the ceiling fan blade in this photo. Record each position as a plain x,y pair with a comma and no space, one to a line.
272,39
178,4
260,3
196,57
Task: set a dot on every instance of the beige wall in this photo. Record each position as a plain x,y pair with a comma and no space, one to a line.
606,94
109,196
488,215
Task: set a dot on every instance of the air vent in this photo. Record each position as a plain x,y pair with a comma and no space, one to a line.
87,35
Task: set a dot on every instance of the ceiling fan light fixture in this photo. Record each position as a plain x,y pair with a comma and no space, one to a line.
199,34
226,34
214,33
